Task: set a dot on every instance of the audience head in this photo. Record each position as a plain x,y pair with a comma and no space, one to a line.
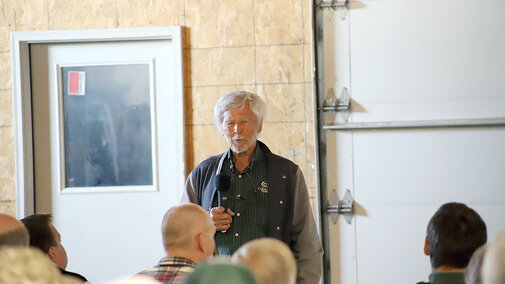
12,232
188,231
473,270
270,260
29,265
44,236
493,266
453,235
222,273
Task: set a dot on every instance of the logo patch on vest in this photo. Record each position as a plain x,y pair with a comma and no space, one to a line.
264,187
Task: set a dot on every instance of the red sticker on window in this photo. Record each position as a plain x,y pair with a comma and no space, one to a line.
76,82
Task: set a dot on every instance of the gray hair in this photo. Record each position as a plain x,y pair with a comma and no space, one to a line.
270,261
239,99
30,265
473,273
493,266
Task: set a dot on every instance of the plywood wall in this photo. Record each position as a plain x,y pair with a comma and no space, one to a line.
263,46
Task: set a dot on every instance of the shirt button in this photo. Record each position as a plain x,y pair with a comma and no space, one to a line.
236,234
281,202
283,176
238,214
278,228
239,176
239,196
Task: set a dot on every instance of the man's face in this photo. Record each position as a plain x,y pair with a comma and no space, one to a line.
240,128
57,253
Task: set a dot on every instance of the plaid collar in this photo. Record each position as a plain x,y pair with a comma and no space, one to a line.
175,261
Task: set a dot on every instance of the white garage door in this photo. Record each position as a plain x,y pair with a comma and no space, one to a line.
410,63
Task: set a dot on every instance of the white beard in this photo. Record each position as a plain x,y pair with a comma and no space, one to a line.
242,147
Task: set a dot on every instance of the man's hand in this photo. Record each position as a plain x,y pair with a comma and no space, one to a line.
222,220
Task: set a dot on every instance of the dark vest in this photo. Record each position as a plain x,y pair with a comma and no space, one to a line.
281,183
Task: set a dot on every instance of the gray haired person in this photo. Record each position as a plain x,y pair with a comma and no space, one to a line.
473,272
22,264
493,266
270,261
267,195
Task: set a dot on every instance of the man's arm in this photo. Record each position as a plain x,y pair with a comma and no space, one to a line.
189,194
307,245
222,220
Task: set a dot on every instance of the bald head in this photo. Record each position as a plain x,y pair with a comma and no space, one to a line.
12,232
184,225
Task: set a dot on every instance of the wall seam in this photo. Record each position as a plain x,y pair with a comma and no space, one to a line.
265,122
304,89
248,84
116,17
245,46
254,47
48,18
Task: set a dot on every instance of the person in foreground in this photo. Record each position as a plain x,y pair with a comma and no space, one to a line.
493,266
267,195
20,264
213,272
270,261
44,236
12,232
473,270
188,238
454,233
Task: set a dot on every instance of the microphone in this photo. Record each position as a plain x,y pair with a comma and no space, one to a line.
222,184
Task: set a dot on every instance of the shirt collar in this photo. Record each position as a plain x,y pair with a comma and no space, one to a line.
177,260
447,277
257,156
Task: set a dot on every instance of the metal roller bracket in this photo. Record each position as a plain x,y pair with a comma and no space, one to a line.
343,207
342,105
334,4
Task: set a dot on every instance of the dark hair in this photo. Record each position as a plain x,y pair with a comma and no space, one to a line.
39,229
454,233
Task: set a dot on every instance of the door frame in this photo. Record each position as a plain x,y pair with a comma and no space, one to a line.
22,98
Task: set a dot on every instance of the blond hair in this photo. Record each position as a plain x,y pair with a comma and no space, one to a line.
30,265
270,260
493,266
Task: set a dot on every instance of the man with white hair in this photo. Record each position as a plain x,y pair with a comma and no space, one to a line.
188,238
267,194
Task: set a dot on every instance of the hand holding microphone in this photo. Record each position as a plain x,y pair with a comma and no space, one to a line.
222,220
221,215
